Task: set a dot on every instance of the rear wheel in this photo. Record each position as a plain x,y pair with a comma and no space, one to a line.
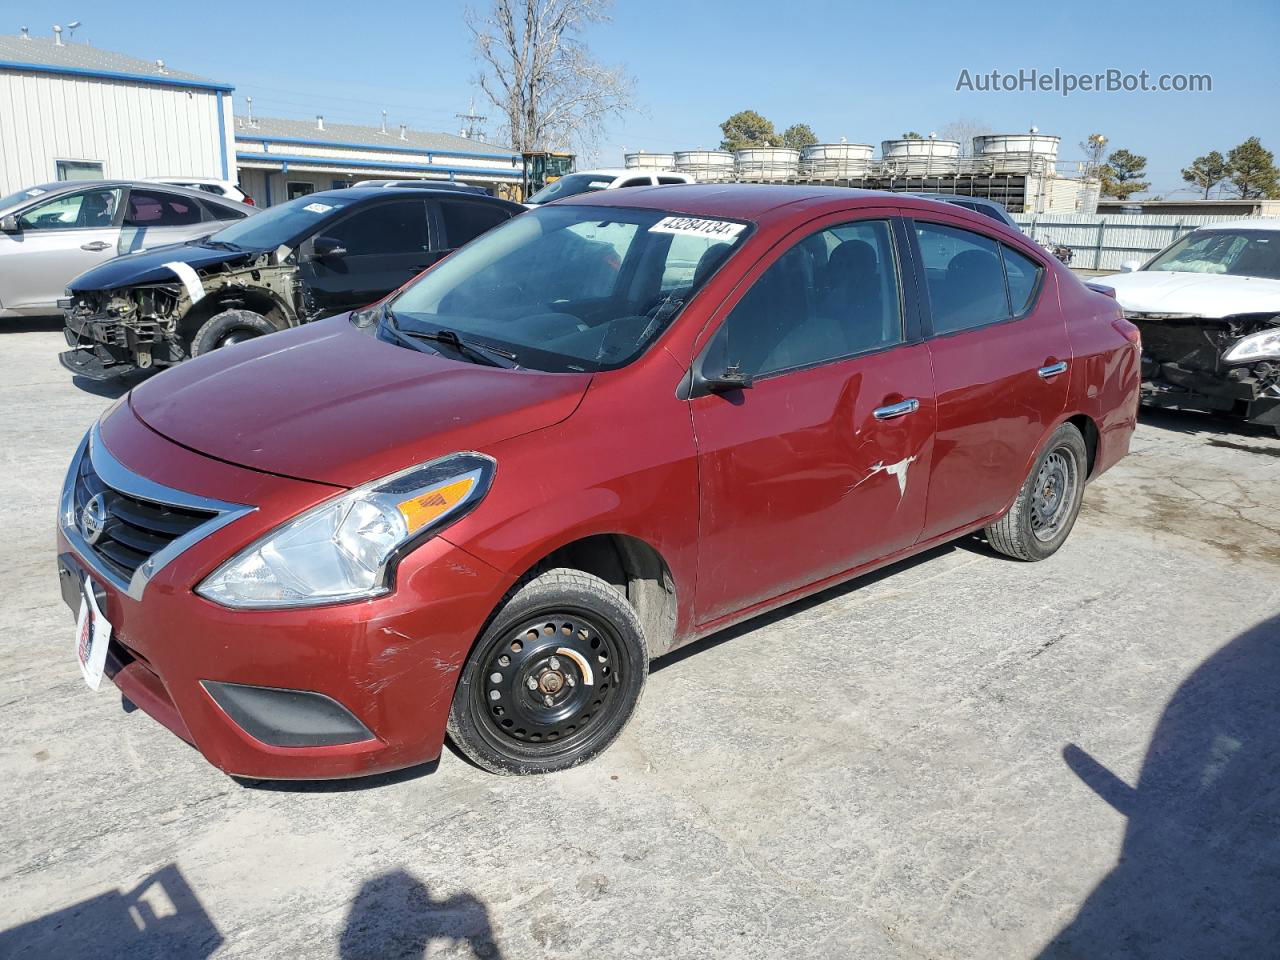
227,328
1047,505
554,678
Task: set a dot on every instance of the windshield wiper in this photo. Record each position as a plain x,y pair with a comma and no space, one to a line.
480,352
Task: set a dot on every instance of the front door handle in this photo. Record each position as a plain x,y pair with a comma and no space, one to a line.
1052,370
94,247
895,410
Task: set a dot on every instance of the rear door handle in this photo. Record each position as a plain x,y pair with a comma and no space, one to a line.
1052,370
94,247
895,410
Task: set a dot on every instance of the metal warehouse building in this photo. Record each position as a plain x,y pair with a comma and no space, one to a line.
282,159
69,111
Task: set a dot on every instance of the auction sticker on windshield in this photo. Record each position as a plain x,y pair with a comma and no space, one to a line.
93,635
694,227
317,208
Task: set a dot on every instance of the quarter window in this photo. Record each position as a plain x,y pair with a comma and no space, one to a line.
1023,274
965,277
832,295
88,208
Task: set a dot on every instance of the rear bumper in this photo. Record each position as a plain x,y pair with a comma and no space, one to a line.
323,692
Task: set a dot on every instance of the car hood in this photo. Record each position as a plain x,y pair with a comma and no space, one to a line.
330,403
1198,294
148,266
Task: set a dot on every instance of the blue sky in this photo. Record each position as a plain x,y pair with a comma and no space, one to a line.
863,71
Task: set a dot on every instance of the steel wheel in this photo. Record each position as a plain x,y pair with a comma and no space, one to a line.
1053,494
549,678
554,678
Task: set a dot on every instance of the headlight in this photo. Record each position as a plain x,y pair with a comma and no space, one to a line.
345,549
1259,346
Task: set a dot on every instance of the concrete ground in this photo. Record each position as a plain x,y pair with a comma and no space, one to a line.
963,757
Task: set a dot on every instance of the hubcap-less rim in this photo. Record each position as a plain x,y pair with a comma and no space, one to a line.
1053,494
551,680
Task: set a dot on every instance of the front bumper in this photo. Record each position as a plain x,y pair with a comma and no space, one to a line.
360,688
103,348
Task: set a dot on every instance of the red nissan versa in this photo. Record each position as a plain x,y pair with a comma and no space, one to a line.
598,432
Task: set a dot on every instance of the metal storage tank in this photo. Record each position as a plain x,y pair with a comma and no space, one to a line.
927,156
705,164
1018,152
649,161
836,159
766,163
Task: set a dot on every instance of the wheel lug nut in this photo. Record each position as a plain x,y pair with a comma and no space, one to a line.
547,700
570,681
531,683
554,663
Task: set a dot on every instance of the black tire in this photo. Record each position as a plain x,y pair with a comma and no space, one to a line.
227,327
1047,505
579,642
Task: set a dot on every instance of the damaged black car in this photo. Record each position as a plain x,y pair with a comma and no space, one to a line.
310,258
1208,309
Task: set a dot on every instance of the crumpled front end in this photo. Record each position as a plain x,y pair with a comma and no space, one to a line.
1185,364
114,332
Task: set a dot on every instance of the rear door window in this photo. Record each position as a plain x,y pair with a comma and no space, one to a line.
154,208
965,277
464,221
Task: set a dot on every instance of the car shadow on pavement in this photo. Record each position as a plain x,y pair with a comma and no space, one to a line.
1191,422
1198,875
394,917
159,919
341,786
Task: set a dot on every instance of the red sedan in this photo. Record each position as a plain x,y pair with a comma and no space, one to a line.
606,428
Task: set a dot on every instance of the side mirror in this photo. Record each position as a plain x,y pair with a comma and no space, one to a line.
731,379
1131,266
9,224
328,248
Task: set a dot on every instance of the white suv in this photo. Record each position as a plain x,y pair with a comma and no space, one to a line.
219,188
611,178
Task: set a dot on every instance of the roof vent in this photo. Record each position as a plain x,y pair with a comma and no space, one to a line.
404,131
384,123
57,36
160,66
26,33
249,119
319,122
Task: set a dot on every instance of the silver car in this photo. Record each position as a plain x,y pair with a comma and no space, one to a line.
52,233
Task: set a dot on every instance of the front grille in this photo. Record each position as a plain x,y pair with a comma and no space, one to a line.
1191,343
132,529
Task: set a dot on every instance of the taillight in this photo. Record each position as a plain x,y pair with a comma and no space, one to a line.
249,200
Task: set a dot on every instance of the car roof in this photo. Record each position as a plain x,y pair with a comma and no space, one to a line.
750,201
1247,223
69,186
366,193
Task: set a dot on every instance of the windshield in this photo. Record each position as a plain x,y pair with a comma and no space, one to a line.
571,186
1236,253
30,193
281,224
573,287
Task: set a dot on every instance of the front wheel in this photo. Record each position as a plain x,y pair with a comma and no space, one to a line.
1047,505
227,328
554,678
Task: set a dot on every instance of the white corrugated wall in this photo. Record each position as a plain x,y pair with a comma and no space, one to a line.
132,129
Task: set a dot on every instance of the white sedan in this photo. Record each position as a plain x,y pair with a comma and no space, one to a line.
1208,307
611,178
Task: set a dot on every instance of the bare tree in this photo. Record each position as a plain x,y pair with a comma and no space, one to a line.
964,130
540,75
